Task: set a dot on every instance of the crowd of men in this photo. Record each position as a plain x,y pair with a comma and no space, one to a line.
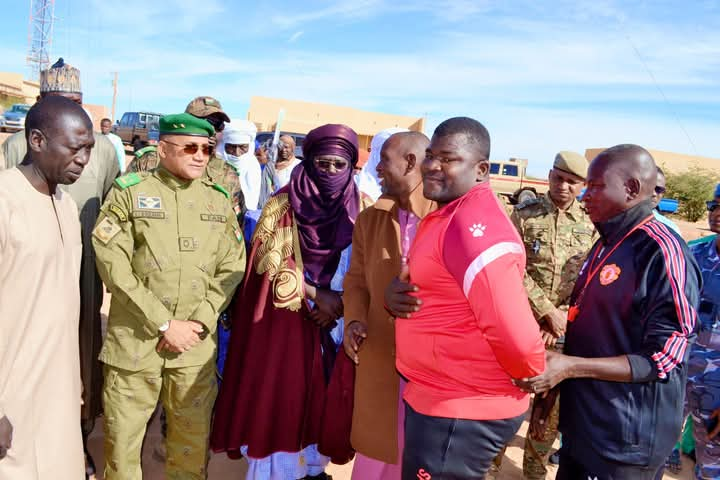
295,312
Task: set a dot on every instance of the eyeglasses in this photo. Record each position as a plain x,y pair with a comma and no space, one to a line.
337,165
659,190
191,148
711,205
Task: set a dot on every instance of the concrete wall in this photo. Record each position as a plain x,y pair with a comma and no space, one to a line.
13,85
301,117
97,113
671,161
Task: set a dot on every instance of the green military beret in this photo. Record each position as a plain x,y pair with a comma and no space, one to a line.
571,162
185,124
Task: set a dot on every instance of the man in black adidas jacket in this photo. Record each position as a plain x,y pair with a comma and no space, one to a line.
630,324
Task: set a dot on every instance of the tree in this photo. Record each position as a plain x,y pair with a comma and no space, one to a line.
692,189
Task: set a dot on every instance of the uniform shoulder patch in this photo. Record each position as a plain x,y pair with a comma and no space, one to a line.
128,180
144,150
106,230
221,189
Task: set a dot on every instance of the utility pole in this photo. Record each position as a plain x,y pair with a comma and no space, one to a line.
115,80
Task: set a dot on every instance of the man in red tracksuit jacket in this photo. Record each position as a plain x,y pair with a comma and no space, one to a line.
464,327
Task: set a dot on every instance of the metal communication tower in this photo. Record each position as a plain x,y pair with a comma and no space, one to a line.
40,32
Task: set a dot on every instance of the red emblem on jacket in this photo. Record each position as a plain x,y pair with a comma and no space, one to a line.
609,274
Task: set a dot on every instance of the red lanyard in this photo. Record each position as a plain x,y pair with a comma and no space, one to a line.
574,309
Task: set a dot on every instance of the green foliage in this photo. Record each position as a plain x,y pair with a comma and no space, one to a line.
692,189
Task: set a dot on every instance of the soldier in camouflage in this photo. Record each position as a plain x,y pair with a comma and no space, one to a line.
703,390
557,234
171,253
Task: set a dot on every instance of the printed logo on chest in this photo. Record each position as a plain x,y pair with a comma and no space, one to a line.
609,274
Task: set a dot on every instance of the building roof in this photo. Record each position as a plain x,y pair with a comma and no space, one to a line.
301,117
670,161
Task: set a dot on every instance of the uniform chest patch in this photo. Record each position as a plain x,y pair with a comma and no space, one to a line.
149,203
609,274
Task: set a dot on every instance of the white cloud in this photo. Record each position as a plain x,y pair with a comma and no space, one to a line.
341,10
295,36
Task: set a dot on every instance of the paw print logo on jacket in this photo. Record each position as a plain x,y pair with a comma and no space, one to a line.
478,229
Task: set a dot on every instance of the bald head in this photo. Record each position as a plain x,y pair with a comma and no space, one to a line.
52,113
409,142
59,137
619,178
399,166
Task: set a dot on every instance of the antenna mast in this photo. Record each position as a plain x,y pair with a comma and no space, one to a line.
40,32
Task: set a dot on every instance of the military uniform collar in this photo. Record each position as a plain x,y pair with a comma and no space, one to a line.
574,211
170,180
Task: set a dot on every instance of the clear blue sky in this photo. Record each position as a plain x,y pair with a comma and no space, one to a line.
542,76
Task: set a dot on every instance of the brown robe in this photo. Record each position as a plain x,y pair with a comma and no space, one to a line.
375,262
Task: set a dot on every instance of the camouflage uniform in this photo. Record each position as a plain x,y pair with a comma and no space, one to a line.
703,389
144,160
556,244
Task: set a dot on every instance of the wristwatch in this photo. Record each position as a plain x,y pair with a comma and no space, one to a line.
163,328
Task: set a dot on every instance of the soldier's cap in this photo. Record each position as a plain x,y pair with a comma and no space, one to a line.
571,162
61,77
185,124
717,191
204,107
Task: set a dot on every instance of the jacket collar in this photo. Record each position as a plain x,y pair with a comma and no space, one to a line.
574,211
419,205
614,229
171,180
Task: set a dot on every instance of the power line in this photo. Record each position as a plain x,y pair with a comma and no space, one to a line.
662,93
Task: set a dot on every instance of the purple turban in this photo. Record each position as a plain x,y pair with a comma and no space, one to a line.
325,205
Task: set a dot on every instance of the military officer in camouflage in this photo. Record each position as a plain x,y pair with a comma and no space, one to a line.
557,234
171,253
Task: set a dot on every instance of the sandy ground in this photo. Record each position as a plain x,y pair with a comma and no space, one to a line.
222,468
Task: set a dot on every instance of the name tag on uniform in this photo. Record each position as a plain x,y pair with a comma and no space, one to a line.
188,244
149,203
148,214
206,217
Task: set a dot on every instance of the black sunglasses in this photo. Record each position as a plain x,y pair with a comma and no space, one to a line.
659,190
711,205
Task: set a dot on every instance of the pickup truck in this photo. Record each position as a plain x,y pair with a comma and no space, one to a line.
509,180
138,129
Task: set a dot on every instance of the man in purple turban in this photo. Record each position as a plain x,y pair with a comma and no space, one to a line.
287,319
